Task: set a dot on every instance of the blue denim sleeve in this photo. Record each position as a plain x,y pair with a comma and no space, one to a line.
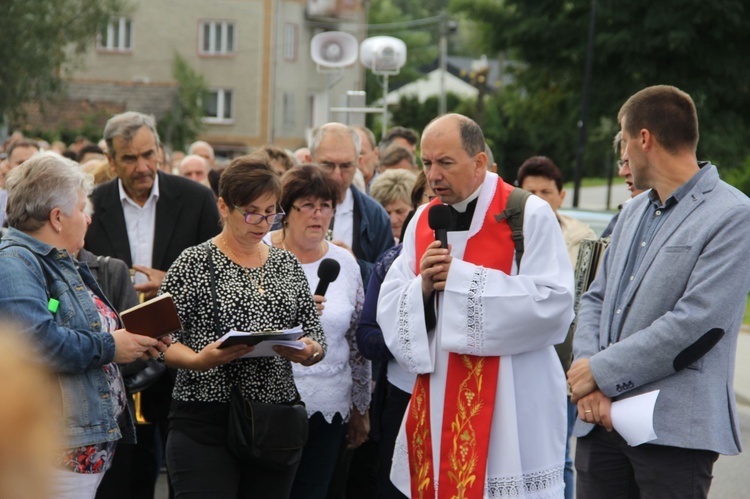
62,339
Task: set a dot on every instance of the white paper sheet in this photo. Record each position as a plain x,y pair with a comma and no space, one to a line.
265,348
288,338
633,418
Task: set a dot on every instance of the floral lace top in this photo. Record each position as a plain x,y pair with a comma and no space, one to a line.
342,379
97,458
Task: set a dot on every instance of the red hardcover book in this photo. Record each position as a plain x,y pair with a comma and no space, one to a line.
156,317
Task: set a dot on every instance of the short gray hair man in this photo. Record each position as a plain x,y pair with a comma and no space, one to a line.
126,125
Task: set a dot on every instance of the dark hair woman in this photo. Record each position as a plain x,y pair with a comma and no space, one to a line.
257,288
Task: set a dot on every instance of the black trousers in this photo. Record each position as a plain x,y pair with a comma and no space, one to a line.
133,473
319,457
607,467
394,407
205,470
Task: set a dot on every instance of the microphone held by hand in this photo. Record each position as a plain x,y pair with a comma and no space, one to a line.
440,219
328,271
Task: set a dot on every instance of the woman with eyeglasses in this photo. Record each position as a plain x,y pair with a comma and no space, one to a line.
257,288
336,391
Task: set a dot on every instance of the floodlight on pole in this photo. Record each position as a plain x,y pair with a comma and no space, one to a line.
385,56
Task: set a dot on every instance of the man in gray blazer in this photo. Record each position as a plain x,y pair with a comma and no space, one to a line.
663,313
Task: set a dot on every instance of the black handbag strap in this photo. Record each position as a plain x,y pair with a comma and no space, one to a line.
212,285
215,306
103,274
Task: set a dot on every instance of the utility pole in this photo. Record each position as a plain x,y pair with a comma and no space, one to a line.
443,61
578,172
447,26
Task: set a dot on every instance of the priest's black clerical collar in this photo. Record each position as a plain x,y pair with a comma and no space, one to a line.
462,221
463,212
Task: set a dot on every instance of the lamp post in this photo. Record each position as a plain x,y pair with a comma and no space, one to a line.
447,26
480,70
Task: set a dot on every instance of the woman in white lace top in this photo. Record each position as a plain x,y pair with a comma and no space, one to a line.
337,389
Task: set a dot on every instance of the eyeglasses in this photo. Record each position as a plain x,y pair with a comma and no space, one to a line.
344,167
257,218
310,209
622,162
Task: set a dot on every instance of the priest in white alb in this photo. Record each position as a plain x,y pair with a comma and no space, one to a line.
487,415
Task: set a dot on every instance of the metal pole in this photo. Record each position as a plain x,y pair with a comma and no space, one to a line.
577,174
271,133
443,62
610,172
385,106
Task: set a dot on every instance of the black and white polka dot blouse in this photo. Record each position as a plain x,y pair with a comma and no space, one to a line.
287,302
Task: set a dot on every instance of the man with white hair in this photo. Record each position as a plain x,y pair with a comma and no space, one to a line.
195,168
360,225
204,150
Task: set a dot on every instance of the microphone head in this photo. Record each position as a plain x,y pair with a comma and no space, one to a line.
328,270
439,217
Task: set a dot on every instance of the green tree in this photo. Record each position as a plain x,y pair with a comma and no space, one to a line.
184,121
692,44
38,38
414,114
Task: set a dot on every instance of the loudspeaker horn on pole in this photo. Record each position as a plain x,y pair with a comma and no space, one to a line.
334,49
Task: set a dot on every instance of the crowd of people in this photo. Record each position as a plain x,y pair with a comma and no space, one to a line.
438,360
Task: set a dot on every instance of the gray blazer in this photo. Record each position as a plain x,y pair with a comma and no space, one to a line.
694,278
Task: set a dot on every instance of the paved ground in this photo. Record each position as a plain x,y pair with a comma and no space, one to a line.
731,478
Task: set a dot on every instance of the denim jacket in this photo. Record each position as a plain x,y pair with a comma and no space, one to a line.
69,341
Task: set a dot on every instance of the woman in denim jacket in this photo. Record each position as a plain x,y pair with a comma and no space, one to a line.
60,308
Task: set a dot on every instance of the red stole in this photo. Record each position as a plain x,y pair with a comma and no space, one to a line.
471,381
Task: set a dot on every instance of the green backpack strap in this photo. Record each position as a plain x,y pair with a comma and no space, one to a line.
513,213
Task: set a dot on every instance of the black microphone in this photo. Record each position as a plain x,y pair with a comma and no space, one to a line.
440,219
328,271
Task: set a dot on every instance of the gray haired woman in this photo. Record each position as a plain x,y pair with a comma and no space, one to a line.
392,189
58,305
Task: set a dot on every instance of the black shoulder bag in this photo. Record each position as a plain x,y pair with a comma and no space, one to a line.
266,435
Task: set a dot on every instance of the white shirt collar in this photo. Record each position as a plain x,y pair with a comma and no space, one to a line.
153,196
347,205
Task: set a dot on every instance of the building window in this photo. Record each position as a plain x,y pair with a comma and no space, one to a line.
117,36
290,42
288,109
217,38
217,106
